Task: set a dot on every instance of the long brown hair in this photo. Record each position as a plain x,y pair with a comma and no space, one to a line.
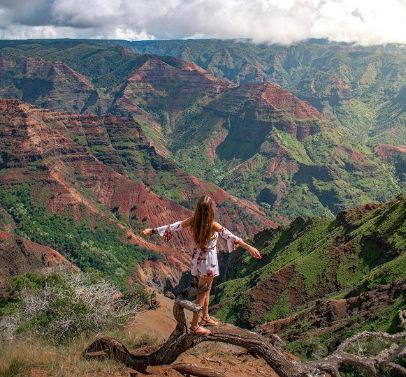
202,220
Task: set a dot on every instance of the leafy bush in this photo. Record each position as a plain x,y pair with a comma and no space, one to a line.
61,307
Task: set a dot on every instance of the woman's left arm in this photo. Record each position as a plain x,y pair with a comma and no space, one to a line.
251,249
233,241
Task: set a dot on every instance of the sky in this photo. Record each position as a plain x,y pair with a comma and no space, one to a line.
271,21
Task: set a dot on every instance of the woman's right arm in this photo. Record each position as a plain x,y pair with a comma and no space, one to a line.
167,230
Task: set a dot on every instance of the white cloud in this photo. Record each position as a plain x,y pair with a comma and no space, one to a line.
365,22
275,21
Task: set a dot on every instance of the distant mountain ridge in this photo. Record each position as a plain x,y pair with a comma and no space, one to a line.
361,87
256,140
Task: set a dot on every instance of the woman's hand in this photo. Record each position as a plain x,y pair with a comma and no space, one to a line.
147,232
251,249
254,253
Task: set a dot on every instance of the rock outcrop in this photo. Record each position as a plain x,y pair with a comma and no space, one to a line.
48,84
19,256
332,315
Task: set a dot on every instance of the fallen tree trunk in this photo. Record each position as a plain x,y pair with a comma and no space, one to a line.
181,340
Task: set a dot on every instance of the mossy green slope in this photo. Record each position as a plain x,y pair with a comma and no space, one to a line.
92,247
357,251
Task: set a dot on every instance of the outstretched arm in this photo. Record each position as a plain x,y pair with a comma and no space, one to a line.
172,227
251,249
233,241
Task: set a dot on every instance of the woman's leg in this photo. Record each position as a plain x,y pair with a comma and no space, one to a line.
201,298
205,311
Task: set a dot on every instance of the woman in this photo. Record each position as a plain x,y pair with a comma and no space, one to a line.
205,233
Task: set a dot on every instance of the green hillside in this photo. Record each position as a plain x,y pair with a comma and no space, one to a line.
92,247
294,165
359,250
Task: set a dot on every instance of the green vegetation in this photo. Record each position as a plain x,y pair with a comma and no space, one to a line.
194,160
165,185
315,259
92,248
293,146
29,354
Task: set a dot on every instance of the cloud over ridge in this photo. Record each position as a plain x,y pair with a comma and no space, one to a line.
272,21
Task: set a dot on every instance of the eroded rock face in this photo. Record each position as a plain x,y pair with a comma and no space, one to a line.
48,84
37,147
168,84
19,256
91,167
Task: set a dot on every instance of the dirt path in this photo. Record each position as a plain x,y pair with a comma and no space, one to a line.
157,323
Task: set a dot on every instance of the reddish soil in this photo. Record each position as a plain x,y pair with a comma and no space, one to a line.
283,100
387,150
19,256
351,216
265,294
176,82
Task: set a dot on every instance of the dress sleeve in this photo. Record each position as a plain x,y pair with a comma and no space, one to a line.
166,231
232,240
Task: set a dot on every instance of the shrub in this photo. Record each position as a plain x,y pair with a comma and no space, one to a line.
60,307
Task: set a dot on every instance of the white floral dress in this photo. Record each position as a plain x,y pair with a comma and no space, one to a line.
204,260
